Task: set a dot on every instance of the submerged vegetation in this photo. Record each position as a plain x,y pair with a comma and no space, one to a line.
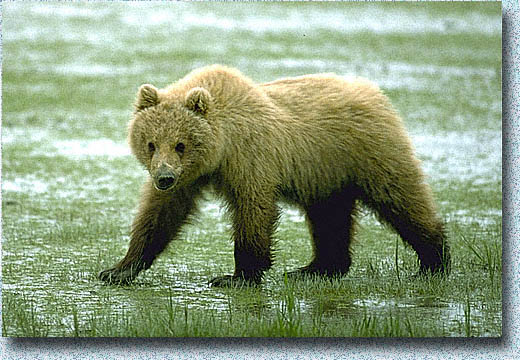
70,187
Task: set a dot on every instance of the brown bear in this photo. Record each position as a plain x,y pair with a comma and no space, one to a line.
320,142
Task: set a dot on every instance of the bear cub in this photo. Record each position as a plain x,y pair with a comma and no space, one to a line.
320,142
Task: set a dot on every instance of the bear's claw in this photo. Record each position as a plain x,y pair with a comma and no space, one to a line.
312,271
233,281
118,276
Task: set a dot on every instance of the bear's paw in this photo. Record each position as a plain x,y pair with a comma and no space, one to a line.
234,281
118,275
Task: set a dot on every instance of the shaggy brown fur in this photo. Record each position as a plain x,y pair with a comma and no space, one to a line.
318,141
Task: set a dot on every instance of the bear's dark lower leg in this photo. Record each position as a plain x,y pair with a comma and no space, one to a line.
431,248
159,219
430,245
419,226
331,224
253,225
249,268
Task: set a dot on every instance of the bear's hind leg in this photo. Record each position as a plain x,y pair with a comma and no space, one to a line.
428,241
414,218
331,224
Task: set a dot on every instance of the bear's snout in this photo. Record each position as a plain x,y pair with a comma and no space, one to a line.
164,178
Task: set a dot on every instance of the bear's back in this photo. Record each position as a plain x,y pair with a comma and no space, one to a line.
325,96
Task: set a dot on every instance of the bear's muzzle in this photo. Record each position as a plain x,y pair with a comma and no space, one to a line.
164,179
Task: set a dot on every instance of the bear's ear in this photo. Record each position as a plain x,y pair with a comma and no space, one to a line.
146,96
198,100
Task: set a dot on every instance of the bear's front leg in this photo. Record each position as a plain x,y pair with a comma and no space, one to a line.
159,219
253,226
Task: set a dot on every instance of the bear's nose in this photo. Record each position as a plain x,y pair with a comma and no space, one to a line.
165,179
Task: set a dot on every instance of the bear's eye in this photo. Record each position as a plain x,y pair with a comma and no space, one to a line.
180,148
151,147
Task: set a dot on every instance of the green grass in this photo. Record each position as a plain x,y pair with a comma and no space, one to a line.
70,73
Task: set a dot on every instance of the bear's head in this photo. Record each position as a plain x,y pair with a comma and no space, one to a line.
173,135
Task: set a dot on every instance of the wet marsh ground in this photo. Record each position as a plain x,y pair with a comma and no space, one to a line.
70,186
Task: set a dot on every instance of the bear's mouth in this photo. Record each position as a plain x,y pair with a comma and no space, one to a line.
164,184
164,179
